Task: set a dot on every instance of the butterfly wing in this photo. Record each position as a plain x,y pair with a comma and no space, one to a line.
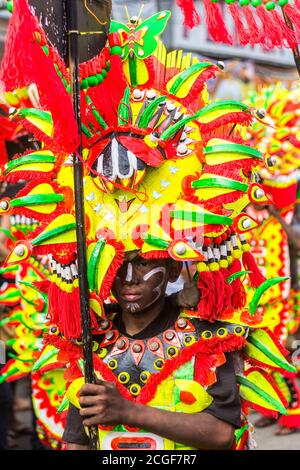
123,31
150,29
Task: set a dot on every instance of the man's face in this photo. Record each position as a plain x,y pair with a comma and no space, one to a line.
141,283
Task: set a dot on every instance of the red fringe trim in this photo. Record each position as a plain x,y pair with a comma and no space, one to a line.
264,411
215,23
45,403
29,176
223,199
291,421
191,17
108,375
64,345
191,101
281,348
155,254
244,118
39,134
113,269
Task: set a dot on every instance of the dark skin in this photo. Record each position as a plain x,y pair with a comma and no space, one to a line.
144,284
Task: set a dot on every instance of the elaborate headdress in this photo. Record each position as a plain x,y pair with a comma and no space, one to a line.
165,172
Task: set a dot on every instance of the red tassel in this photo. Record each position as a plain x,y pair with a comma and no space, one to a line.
190,14
215,294
238,298
255,275
276,32
227,290
215,23
236,14
64,310
288,36
255,33
206,286
294,15
107,96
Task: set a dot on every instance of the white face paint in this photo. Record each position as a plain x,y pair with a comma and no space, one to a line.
129,273
157,289
134,307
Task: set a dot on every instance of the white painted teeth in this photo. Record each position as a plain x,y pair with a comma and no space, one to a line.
183,137
66,272
217,254
137,94
74,271
150,94
223,250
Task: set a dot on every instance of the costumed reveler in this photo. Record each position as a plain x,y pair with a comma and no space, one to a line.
27,314
24,307
273,241
166,180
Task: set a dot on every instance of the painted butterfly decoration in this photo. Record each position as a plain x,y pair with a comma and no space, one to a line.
139,38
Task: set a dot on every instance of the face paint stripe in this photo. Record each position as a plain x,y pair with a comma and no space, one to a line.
129,273
153,272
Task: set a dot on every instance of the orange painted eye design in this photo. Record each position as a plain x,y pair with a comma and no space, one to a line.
244,223
257,195
21,252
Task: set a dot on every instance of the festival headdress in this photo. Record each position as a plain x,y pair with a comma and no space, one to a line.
166,172
278,138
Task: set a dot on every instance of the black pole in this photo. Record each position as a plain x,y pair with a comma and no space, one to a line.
72,22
